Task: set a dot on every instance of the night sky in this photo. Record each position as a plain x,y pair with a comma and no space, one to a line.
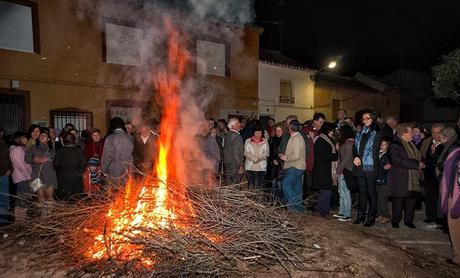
370,36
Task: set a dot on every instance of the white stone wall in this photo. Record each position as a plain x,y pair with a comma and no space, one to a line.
269,91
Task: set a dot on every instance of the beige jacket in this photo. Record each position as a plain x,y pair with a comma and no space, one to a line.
295,152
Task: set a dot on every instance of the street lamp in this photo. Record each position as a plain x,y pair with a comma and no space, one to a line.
331,65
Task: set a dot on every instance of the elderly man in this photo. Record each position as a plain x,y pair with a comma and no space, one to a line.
294,163
431,150
145,145
233,152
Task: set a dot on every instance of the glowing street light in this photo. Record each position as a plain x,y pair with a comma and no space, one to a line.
332,64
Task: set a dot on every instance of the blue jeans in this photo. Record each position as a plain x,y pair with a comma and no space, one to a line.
4,198
345,198
292,189
324,202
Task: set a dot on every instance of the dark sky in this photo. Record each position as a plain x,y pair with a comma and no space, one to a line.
371,36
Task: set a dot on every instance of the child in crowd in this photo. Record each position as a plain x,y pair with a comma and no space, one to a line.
381,183
93,177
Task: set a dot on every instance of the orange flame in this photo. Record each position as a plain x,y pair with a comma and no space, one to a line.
151,204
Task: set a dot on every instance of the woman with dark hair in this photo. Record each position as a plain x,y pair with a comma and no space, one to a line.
40,156
323,174
256,151
32,135
345,164
222,128
95,146
366,160
21,174
69,163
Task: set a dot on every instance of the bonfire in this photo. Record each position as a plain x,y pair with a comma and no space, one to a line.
157,225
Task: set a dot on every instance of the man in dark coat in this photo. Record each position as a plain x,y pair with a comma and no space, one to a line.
431,150
404,176
325,154
70,163
233,152
144,153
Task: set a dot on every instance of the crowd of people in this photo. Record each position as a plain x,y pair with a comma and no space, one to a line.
383,168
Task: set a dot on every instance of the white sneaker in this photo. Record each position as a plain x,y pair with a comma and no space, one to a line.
345,219
337,215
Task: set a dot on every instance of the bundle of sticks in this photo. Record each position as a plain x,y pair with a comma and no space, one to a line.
232,233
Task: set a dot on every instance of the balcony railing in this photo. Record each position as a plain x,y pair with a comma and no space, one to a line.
287,100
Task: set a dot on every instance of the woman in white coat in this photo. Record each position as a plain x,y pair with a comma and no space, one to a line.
256,151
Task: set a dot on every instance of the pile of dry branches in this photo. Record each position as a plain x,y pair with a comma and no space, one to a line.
232,233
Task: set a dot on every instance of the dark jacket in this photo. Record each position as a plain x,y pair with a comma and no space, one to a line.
275,171
388,132
398,175
358,171
144,154
431,159
382,175
5,161
233,149
70,163
346,157
322,169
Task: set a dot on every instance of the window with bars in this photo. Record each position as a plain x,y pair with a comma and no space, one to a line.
13,112
81,119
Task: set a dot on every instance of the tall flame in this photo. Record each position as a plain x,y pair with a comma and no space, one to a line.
154,203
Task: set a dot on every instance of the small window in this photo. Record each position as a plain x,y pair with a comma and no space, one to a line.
286,88
19,26
211,58
81,119
122,42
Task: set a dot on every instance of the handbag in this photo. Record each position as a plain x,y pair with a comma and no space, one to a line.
350,180
37,183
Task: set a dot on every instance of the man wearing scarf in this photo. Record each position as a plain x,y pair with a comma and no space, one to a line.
404,176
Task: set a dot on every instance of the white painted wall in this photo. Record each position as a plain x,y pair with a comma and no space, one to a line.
269,91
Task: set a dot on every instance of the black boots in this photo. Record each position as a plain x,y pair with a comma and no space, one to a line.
370,221
360,219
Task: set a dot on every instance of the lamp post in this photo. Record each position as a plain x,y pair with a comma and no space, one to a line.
331,65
